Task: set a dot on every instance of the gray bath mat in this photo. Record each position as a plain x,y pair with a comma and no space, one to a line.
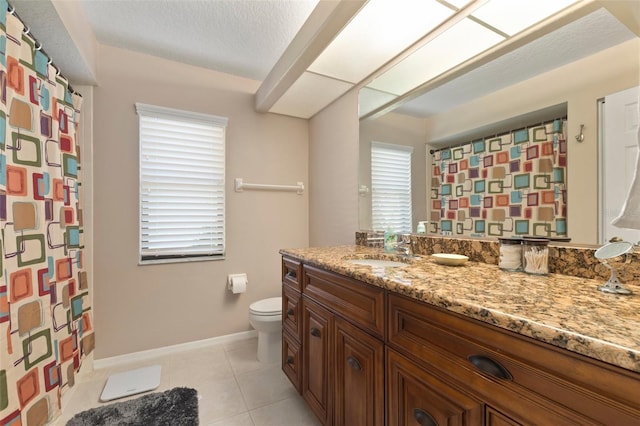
175,407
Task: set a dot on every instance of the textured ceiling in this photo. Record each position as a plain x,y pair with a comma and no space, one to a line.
240,37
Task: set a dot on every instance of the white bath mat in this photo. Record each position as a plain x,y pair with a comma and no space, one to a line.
131,382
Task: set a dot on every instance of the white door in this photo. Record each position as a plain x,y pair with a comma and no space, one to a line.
618,163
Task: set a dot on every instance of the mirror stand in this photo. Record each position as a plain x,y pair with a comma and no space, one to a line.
615,253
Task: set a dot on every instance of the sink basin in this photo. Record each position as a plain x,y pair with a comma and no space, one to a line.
381,263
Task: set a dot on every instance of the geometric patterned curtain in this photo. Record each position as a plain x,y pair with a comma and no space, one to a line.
512,184
45,314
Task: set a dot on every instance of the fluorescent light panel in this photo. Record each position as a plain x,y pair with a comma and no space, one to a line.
309,94
370,99
513,16
459,43
379,32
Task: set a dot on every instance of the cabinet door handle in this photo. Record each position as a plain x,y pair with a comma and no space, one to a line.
290,360
423,418
490,366
353,363
292,275
315,332
289,312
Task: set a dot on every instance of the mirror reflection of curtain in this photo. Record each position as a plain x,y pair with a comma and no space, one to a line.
45,314
512,184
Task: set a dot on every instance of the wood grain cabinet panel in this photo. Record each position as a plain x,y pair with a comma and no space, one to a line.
291,301
291,360
292,273
529,381
359,372
357,302
417,397
316,365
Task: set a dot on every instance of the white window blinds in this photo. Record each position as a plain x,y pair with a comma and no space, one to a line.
391,187
182,182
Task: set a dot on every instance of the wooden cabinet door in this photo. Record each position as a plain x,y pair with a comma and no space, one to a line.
359,377
494,417
417,397
316,365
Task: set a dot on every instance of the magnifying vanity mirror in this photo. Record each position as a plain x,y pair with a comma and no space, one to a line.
613,256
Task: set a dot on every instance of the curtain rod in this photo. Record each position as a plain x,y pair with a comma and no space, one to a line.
38,46
433,151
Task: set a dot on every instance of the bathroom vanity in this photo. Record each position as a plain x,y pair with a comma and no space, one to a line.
434,345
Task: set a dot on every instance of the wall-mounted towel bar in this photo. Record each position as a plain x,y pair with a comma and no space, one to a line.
240,186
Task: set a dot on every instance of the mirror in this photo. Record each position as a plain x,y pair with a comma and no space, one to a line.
570,67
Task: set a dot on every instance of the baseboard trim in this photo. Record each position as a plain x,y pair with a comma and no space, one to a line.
143,355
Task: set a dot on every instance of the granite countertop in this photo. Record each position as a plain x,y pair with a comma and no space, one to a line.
565,311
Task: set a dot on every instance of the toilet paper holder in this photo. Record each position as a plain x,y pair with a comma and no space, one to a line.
237,283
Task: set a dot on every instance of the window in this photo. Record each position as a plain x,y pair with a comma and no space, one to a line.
391,187
182,170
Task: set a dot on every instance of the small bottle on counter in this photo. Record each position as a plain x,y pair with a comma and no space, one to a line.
422,229
535,256
510,254
390,240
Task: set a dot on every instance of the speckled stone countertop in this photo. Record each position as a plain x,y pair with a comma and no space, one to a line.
565,311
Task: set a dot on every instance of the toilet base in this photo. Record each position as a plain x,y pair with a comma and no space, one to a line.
269,347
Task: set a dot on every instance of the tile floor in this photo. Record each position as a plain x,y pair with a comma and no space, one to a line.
234,389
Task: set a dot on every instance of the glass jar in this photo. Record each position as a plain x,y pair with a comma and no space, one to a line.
510,254
535,256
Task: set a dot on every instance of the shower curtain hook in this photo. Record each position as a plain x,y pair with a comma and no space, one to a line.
12,9
580,136
26,30
49,61
38,45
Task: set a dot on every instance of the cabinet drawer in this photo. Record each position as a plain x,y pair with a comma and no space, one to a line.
291,273
360,303
291,320
415,396
291,360
534,379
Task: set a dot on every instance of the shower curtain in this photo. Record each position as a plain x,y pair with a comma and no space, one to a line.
45,314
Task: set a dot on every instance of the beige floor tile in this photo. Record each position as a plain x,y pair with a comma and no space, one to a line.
243,419
243,356
289,412
219,399
264,386
229,379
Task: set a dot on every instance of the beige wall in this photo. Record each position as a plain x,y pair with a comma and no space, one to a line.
333,173
400,130
144,307
580,84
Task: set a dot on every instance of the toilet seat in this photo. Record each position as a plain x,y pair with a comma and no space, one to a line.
266,307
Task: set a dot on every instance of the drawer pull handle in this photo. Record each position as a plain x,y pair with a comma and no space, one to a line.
290,360
489,366
315,332
289,312
353,363
292,275
423,418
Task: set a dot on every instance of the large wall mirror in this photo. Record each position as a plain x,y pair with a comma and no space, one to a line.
564,73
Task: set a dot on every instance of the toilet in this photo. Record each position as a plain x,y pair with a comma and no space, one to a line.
266,317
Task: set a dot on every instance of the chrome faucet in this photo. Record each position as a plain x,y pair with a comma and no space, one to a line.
404,246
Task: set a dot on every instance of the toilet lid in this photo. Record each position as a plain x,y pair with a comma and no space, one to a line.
269,306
